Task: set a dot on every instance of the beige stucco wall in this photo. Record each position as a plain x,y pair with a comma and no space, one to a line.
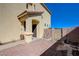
39,26
10,27
43,19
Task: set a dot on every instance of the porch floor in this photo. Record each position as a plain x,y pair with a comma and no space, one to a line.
21,48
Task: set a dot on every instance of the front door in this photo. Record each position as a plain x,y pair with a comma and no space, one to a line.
34,30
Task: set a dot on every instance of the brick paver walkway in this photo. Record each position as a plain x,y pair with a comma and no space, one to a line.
36,48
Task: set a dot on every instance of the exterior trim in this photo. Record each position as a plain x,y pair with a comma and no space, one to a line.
46,8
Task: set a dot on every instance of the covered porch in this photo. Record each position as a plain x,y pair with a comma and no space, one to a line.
30,26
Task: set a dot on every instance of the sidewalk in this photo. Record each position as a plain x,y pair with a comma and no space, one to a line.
12,44
21,48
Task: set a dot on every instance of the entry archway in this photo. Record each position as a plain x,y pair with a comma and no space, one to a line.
34,27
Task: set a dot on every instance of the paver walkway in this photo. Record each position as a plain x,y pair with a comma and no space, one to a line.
34,48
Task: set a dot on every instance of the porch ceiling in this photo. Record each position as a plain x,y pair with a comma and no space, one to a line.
22,17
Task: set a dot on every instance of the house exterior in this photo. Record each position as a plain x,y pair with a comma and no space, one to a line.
25,19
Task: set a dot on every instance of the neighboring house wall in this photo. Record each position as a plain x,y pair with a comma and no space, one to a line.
10,27
56,34
71,34
66,31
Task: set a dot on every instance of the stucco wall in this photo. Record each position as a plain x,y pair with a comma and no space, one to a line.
10,27
43,19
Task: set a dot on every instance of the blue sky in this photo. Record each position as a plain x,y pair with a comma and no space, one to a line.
64,15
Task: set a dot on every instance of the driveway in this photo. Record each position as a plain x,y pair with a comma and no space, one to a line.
34,48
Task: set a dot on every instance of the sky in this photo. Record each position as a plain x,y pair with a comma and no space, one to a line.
64,15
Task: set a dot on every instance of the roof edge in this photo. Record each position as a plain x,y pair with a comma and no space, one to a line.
46,8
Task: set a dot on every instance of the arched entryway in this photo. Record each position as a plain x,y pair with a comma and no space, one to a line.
34,27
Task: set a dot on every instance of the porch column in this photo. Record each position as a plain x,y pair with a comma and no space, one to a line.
28,33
